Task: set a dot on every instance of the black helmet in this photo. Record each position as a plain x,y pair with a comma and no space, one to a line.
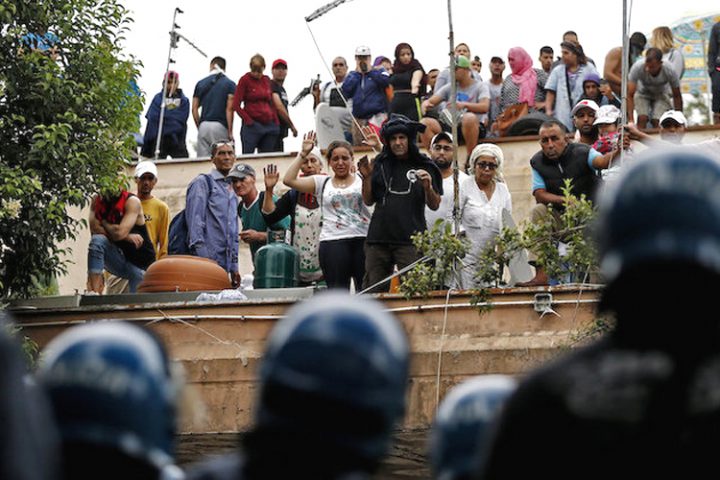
461,427
110,385
666,208
337,365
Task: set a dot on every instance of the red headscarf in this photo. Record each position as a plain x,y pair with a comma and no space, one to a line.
523,74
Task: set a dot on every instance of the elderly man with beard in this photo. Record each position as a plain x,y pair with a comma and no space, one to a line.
400,182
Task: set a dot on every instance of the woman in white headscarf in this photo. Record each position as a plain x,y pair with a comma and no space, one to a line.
483,197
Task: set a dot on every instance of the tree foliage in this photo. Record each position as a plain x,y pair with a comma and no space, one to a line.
564,250
65,124
442,249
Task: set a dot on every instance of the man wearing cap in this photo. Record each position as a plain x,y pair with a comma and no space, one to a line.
672,126
583,114
441,152
254,231
648,83
156,211
280,100
473,102
400,182
672,131
211,213
557,161
211,98
366,87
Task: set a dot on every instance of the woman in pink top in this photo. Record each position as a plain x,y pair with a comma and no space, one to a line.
260,125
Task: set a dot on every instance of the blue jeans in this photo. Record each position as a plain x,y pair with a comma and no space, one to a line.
257,135
103,254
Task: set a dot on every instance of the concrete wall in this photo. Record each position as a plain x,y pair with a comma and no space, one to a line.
174,175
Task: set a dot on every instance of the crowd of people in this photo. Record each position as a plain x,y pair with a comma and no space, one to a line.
375,89
351,220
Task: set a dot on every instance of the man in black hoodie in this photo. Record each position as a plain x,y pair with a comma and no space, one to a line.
400,182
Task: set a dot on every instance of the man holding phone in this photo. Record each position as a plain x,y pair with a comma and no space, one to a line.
366,86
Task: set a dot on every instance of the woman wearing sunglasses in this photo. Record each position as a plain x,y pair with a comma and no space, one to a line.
483,197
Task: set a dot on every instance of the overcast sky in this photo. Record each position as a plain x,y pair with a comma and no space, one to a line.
237,30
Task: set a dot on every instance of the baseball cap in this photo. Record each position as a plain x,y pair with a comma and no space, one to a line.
362,51
607,114
144,167
674,115
497,60
462,62
441,136
241,170
279,61
585,104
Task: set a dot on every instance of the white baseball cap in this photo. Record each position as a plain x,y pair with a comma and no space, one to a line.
585,104
146,166
607,114
362,51
674,115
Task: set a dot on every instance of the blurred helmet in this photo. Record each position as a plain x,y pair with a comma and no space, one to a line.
110,385
337,364
665,208
462,424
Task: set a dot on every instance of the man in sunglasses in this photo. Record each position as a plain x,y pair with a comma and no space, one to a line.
441,152
557,161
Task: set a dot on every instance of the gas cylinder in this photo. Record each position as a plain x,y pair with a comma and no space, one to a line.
277,264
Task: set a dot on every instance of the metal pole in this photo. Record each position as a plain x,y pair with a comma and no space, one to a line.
453,129
453,114
173,43
625,67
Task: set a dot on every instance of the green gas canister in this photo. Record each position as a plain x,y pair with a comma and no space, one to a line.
277,264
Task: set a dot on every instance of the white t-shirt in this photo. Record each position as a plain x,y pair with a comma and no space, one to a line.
344,214
445,209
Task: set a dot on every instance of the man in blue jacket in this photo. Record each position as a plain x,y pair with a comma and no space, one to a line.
211,213
366,86
174,129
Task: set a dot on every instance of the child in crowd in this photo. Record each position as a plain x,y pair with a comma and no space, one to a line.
607,120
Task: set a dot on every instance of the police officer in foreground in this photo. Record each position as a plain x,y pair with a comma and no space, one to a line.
644,401
332,388
29,444
114,399
463,425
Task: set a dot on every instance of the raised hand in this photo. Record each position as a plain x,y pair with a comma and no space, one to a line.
371,138
272,176
308,143
365,167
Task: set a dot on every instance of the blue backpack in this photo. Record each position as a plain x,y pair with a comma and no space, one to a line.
178,233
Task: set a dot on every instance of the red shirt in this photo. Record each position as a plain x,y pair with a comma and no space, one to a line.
256,95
